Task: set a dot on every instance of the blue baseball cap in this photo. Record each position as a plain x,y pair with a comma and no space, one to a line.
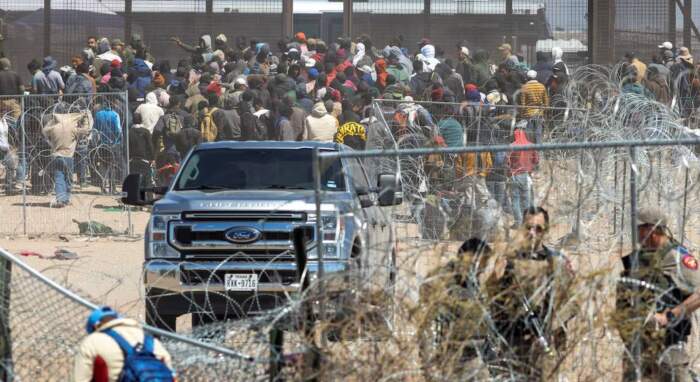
98,315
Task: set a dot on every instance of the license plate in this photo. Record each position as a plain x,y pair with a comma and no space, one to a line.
241,282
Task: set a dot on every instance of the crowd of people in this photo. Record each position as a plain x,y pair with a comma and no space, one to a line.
308,90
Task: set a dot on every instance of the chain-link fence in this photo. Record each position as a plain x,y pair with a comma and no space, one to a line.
43,324
64,163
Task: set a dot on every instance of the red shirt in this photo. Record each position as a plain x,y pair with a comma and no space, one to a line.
521,162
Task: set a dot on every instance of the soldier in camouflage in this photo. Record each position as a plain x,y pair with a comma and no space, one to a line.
530,304
664,288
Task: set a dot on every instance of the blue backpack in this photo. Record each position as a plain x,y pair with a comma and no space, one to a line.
140,364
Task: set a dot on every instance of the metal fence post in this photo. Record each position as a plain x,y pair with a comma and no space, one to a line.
287,18
634,269
24,166
47,27
685,204
125,105
317,232
347,18
276,356
6,373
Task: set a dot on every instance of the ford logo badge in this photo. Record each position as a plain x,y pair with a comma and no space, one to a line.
243,235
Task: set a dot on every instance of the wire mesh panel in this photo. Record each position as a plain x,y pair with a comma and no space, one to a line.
38,179
640,27
46,324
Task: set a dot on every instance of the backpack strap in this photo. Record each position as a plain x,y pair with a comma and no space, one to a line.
123,344
148,343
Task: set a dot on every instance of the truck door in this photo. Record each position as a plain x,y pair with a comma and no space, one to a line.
377,232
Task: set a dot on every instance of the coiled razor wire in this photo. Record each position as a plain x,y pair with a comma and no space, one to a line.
393,327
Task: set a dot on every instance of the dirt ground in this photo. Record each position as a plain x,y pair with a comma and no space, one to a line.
108,269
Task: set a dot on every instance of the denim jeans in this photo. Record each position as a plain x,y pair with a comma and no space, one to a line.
498,192
520,195
81,162
62,168
535,127
11,163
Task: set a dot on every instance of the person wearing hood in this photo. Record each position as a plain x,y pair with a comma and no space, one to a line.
221,42
396,70
149,112
361,57
401,57
557,56
79,83
201,53
139,77
421,82
320,126
543,68
427,55
449,128
105,53
521,165
47,80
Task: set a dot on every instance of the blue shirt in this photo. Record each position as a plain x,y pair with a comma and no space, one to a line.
108,126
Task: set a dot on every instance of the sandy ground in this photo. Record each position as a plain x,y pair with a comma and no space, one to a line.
108,269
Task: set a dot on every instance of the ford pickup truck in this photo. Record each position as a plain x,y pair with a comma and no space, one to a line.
219,243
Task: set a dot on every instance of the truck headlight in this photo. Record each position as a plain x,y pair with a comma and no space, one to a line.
158,243
332,230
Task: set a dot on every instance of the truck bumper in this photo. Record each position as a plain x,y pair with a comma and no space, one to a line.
168,293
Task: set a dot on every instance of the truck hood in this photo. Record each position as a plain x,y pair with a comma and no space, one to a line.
249,200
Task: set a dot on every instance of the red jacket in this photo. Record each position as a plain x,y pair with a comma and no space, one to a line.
520,162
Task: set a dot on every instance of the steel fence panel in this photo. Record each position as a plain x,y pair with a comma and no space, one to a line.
99,164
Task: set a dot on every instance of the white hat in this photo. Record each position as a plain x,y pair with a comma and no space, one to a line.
531,74
365,69
464,50
240,81
221,37
666,45
310,63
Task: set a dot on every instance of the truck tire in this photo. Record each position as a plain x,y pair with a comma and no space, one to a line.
160,321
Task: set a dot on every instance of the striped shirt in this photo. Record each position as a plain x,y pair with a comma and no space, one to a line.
533,93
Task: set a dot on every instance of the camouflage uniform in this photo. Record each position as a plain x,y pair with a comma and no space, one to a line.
542,279
669,275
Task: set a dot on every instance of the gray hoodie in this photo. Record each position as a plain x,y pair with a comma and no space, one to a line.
403,60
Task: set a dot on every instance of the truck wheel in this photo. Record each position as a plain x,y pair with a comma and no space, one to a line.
160,321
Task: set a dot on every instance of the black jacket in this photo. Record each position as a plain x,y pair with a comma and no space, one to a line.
140,146
186,139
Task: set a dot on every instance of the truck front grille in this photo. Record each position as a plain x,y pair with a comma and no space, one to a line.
200,239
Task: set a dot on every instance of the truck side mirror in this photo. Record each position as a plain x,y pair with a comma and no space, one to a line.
389,190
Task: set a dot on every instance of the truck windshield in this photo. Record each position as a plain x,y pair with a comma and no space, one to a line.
257,169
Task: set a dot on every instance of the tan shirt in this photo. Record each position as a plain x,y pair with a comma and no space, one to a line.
101,345
64,130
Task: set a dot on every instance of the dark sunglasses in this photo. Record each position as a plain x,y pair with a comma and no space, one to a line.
537,227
